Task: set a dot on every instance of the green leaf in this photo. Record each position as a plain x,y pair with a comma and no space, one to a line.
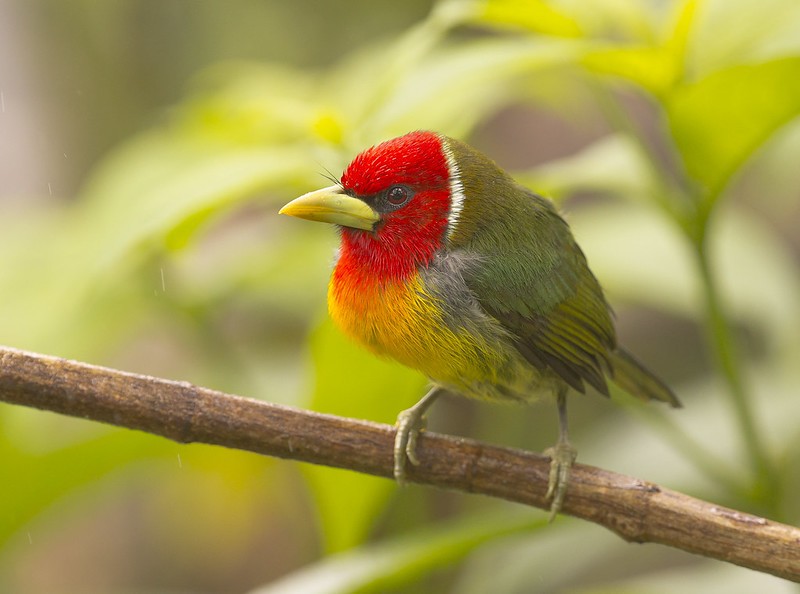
380,567
718,122
653,68
351,382
613,19
535,16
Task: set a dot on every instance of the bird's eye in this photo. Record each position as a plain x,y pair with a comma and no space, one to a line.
397,195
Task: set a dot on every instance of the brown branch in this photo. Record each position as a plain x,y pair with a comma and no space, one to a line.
636,510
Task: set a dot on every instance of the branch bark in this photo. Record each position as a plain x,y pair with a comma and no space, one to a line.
636,510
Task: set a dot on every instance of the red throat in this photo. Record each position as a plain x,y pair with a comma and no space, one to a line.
408,237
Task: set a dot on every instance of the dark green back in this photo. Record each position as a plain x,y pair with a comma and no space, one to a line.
533,277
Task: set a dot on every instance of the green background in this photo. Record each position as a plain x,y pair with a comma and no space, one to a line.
145,148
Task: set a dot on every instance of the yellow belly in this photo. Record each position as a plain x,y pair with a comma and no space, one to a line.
401,320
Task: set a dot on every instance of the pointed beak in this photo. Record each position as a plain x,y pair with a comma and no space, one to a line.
332,205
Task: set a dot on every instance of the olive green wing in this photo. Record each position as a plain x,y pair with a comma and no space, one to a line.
574,339
530,275
536,282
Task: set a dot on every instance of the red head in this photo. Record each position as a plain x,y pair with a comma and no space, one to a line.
394,205
406,180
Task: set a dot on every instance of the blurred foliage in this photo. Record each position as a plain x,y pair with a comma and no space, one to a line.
668,129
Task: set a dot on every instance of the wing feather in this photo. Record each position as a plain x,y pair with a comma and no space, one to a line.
549,301
533,279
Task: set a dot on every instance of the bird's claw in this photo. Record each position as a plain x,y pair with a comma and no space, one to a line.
409,424
562,456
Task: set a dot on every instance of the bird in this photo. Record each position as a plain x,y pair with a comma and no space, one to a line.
451,267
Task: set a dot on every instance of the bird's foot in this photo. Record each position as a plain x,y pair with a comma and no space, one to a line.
562,456
409,424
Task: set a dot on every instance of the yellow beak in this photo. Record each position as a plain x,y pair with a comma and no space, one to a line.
332,205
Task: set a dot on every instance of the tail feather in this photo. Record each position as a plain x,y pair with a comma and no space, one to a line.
634,378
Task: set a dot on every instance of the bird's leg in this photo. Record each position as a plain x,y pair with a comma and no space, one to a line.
409,423
562,456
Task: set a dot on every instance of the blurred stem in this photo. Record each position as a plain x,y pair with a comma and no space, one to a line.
767,486
670,198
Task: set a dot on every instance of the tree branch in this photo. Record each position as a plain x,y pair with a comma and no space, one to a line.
636,510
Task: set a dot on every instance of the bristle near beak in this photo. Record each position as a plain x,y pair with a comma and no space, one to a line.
332,205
